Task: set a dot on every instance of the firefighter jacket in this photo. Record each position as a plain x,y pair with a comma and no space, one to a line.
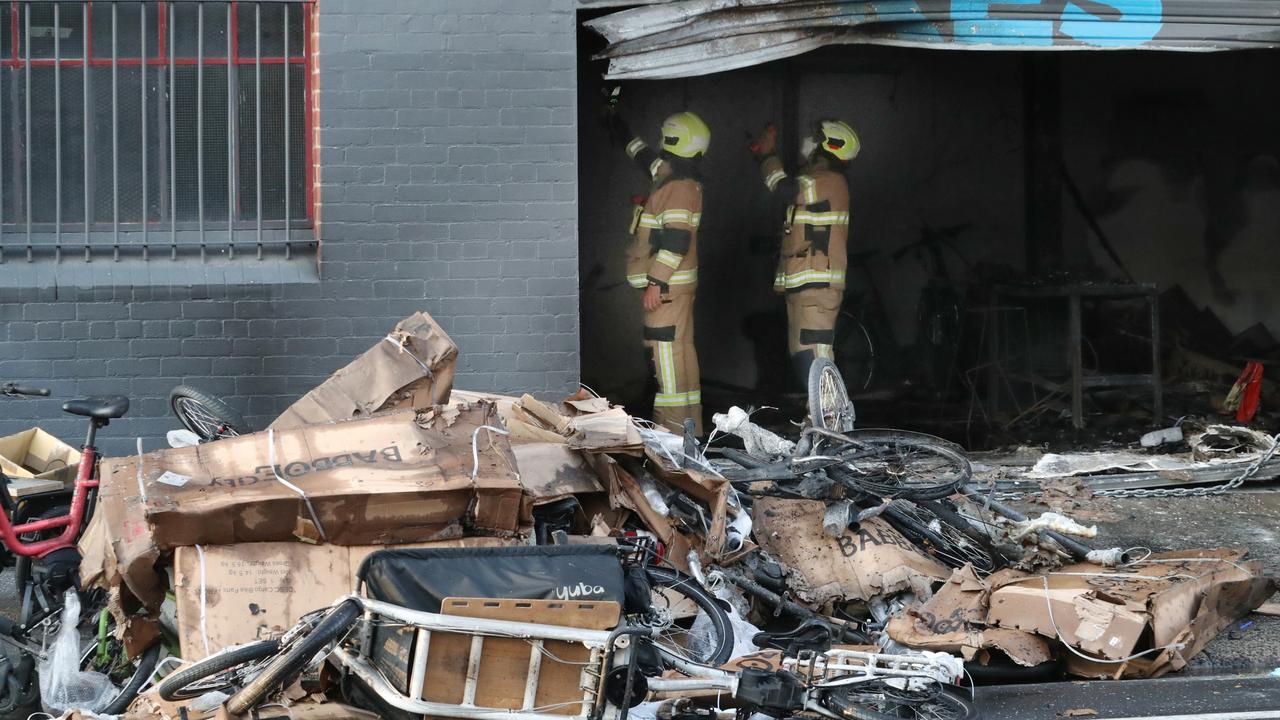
816,230
664,247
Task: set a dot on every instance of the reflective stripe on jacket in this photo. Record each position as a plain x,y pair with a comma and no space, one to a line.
665,247
815,243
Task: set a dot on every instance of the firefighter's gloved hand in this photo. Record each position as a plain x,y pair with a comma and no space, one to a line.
767,142
652,297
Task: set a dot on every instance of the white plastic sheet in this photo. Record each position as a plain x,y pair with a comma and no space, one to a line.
757,441
63,685
743,631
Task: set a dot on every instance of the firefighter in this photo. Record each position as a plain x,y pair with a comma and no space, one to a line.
662,262
811,268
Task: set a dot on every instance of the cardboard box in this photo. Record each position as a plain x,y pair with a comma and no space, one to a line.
254,591
1173,598
864,563
954,620
35,454
551,472
411,368
399,477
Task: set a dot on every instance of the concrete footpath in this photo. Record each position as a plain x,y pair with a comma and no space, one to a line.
1172,698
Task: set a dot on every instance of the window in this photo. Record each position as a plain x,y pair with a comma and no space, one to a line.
153,128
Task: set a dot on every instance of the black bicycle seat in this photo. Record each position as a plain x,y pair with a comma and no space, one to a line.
100,408
809,635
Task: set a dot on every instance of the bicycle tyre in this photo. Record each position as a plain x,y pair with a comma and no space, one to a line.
175,687
679,583
205,415
855,349
142,672
828,396
876,444
948,543
947,704
336,622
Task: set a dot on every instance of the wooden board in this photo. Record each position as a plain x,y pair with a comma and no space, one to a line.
504,662
22,487
589,614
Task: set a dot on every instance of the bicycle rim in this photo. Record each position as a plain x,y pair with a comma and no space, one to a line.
678,602
829,405
200,421
879,699
899,464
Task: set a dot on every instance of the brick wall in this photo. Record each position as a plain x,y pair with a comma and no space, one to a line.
447,177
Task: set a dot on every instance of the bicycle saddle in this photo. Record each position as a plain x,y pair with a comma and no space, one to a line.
101,408
809,635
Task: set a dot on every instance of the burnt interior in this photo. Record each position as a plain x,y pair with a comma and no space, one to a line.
978,170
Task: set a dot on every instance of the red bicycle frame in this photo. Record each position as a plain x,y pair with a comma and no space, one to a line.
70,524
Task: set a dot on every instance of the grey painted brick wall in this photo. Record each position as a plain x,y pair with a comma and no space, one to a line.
448,183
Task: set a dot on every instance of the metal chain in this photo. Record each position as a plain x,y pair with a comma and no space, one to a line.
1198,492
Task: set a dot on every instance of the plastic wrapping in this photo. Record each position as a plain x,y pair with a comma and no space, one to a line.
743,631
63,685
757,441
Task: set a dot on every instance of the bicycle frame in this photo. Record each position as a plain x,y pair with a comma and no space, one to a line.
70,524
821,671
599,643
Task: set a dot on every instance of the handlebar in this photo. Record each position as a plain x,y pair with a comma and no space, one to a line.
12,389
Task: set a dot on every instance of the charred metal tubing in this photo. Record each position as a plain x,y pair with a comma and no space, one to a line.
1077,549
742,458
841,632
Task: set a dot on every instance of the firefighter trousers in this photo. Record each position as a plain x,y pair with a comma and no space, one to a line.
811,327
668,339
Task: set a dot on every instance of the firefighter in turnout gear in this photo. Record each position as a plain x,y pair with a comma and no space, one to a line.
662,261
811,268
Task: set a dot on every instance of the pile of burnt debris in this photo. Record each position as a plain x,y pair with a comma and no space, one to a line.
391,547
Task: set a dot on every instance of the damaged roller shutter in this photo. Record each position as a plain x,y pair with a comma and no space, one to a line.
698,37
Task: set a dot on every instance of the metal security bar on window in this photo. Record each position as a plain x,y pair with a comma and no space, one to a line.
145,127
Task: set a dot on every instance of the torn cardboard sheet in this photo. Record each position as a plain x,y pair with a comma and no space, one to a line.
585,424
394,478
522,427
551,472
412,367
236,594
1163,609
954,620
709,505
873,560
1073,497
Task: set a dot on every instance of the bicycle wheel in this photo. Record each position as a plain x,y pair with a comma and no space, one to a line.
940,533
879,700
829,404
855,351
218,672
676,602
296,656
901,464
205,415
106,654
